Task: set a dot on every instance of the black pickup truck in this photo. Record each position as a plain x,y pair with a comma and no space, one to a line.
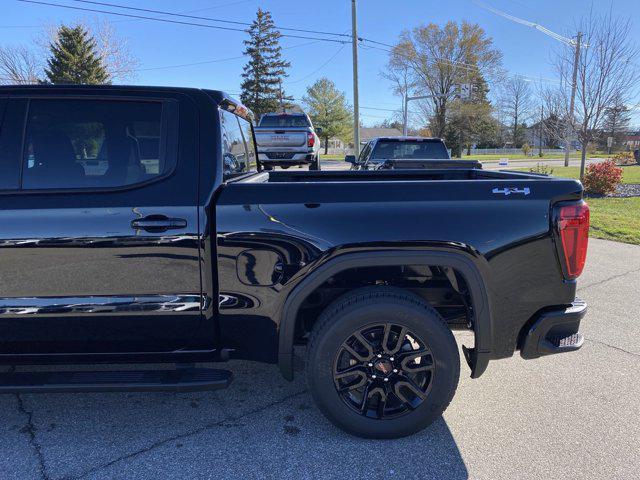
134,229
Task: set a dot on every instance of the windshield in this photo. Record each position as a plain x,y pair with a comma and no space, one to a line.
284,120
410,149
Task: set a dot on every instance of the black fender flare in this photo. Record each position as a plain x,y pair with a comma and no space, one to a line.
477,357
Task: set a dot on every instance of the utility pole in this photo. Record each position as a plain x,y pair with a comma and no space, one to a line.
356,105
541,129
405,113
574,85
280,96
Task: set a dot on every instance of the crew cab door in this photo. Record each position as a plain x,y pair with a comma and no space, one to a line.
99,239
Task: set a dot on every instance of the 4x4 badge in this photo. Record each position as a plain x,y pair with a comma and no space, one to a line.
512,190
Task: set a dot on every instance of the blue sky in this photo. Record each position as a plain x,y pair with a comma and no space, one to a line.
526,51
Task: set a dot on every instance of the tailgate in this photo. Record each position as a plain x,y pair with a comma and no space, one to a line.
281,138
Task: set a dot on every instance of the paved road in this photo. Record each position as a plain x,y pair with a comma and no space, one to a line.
564,417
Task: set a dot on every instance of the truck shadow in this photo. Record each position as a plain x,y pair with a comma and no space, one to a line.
260,427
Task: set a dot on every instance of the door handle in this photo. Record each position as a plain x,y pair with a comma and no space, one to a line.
158,223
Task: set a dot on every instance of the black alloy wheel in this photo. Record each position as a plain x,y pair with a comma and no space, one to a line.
383,371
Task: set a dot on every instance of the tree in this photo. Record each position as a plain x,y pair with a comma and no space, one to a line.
469,119
616,122
328,109
516,105
607,73
262,75
18,66
440,59
75,58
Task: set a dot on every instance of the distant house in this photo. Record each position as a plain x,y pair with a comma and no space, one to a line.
367,133
534,132
631,140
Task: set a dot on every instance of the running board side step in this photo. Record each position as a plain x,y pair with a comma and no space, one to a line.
177,380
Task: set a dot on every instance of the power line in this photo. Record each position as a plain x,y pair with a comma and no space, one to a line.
526,23
203,62
178,22
197,17
218,60
320,67
468,66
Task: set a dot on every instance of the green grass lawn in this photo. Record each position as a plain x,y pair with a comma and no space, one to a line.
631,174
331,157
615,219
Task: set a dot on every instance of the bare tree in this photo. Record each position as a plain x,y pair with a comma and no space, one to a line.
516,105
606,72
18,65
440,59
399,74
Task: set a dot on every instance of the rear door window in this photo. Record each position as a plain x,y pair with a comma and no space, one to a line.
96,143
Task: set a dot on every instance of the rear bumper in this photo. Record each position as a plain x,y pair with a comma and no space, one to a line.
290,159
554,331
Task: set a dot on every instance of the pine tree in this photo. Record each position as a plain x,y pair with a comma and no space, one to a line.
615,123
263,74
75,59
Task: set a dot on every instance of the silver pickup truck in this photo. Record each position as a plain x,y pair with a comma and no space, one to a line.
287,139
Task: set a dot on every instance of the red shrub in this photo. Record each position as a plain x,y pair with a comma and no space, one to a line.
602,178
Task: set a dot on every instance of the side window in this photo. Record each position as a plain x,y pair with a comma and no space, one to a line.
96,143
247,133
234,152
11,126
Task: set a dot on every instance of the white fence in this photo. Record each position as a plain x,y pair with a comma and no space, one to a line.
515,151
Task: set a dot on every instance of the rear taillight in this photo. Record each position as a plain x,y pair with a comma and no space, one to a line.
573,225
311,140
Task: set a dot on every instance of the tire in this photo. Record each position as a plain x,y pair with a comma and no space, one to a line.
315,165
376,313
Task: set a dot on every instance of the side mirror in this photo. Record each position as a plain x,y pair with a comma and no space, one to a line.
318,130
350,158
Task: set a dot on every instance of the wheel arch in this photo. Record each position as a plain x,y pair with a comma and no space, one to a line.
477,357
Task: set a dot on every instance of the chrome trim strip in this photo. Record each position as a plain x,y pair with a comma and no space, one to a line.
111,305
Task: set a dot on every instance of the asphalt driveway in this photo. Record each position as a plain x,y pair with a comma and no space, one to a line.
568,416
